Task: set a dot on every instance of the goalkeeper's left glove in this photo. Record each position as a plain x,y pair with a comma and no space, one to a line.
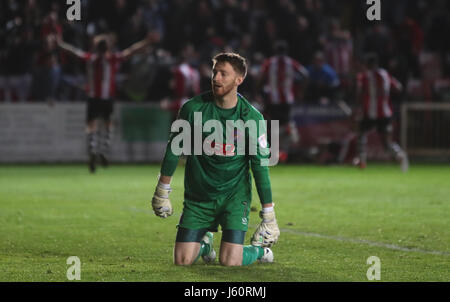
267,232
160,202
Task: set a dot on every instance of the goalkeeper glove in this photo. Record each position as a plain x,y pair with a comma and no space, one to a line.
267,232
160,202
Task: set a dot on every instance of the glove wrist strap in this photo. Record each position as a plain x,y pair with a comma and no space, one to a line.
267,217
163,185
267,209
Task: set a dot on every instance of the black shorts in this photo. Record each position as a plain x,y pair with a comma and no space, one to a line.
99,108
280,112
383,125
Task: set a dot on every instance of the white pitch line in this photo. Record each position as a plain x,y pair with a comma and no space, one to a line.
367,242
342,239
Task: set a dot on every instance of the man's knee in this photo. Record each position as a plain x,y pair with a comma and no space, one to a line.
185,253
386,140
230,254
183,260
91,126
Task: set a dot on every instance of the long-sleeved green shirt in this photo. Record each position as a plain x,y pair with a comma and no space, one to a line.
225,174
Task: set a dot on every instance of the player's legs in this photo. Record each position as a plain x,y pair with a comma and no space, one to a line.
385,130
231,247
91,132
362,149
186,253
92,141
234,219
105,138
106,135
193,239
364,126
234,253
191,244
231,254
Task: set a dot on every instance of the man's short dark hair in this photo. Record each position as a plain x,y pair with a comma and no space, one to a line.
371,60
238,62
281,47
102,45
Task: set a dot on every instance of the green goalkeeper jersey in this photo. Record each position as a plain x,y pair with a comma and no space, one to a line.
225,174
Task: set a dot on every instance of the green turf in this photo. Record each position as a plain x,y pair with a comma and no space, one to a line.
48,213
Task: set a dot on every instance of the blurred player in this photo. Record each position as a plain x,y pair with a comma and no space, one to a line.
217,187
185,83
101,66
373,94
279,76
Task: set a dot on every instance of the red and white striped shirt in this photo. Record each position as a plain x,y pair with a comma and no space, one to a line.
374,88
280,73
186,84
101,74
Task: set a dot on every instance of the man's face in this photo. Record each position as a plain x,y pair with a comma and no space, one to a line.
224,79
102,47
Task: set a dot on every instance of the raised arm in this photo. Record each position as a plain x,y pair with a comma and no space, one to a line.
70,48
138,46
395,84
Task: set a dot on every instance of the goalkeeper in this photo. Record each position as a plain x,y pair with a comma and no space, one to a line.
217,187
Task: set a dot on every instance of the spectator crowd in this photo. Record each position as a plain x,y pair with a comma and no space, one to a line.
328,37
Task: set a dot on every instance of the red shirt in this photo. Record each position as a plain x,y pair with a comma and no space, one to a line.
374,88
280,73
101,73
186,84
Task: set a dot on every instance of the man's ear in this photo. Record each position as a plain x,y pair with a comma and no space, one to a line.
239,80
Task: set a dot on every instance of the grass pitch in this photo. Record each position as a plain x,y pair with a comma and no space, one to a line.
331,219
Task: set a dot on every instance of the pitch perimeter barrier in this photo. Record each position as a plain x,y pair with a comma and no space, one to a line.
33,133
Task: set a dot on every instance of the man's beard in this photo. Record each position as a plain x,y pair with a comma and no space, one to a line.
224,90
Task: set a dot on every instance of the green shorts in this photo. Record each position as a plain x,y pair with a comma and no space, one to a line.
229,214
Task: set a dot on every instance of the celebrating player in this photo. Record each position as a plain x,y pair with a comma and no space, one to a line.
102,65
279,80
373,93
217,188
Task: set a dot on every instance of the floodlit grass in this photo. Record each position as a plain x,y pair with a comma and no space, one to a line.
331,219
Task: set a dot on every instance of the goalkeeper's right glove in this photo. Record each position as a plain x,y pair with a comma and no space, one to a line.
160,202
267,232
